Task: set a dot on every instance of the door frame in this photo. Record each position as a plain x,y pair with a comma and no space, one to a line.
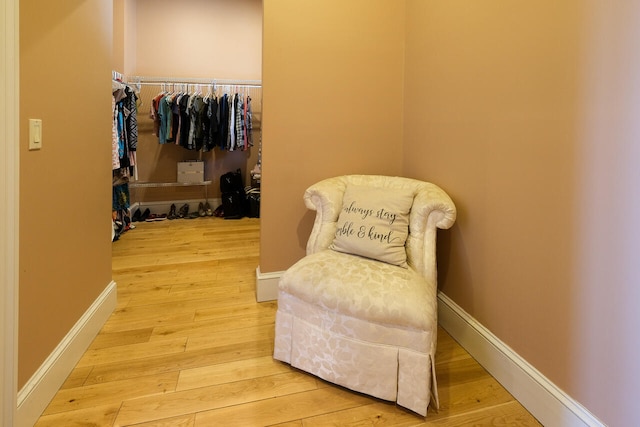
9,208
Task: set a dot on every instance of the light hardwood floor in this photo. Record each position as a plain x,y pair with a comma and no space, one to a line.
189,346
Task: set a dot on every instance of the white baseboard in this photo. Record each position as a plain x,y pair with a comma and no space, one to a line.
36,394
543,399
267,285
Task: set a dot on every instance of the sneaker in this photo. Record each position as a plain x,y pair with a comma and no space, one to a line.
156,217
201,210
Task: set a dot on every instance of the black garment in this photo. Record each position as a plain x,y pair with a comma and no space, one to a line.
197,114
184,121
175,118
131,118
223,123
210,121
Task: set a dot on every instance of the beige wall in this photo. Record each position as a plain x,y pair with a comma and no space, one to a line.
527,114
490,116
332,76
124,36
119,29
199,38
208,39
65,194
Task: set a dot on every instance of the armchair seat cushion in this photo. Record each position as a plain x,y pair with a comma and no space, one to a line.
364,289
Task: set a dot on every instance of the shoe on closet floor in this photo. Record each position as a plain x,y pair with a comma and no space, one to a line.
172,212
201,210
136,216
145,215
184,211
156,217
207,209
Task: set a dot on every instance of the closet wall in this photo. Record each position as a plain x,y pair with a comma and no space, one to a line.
65,248
194,39
333,76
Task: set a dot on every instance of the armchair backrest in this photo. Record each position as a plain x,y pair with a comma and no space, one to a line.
432,209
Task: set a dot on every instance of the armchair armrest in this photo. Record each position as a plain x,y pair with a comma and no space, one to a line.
324,197
432,209
433,204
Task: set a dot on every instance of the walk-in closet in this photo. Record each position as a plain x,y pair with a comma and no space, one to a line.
187,108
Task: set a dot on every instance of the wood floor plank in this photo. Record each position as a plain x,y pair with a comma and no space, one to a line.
101,415
233,336
113,392
127,318
213,326
111,339
470,396
176,312
459,371
176,362
236,370
507,414
77,377
448,349
218,396
188,291
282,409
129,352
240,310
374,414
296,423
181,421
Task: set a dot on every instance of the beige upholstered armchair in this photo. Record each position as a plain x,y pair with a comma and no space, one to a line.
360,309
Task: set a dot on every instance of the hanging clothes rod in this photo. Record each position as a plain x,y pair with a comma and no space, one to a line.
192,81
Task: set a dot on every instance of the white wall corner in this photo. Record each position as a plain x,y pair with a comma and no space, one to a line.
543,399
267,285
36,394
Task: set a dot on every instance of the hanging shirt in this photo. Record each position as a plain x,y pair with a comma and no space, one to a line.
184,120
153,113
232,121
131,118
197,115
115,158
239,122
223,122
164,111
249,124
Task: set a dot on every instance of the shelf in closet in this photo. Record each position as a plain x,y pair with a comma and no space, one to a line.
166,184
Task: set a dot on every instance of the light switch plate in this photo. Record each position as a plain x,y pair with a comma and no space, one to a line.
35,134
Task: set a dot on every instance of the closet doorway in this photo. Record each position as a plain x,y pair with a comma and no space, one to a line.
198,47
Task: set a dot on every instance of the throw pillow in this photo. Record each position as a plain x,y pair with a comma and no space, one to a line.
374,223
